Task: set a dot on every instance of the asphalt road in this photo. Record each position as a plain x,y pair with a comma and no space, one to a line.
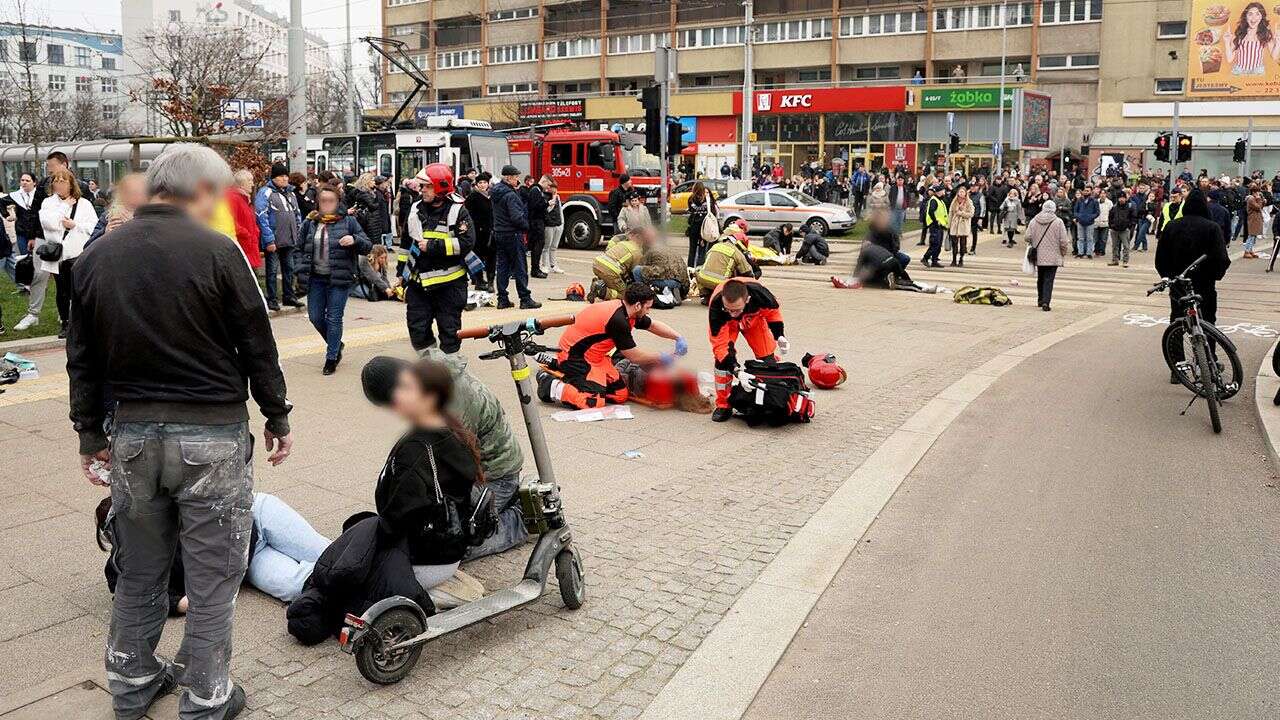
1069,548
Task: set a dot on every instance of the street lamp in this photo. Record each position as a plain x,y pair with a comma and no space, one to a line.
1004,46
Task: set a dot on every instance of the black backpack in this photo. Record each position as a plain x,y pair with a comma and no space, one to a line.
772,393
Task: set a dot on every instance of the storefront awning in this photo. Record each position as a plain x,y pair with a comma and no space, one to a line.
1123,138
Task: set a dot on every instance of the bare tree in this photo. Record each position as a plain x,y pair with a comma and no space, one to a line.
25,118
328,97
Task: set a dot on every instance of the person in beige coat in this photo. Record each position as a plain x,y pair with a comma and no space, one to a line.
961,216
878,199
1048,235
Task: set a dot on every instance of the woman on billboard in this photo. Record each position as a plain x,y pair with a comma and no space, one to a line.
1250,41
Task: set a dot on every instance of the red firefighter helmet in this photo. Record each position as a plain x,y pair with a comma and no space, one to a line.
824,373
438,176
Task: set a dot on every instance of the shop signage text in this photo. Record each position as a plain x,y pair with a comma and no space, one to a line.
965,98
541,110
825,100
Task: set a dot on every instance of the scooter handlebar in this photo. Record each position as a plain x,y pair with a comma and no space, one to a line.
541,324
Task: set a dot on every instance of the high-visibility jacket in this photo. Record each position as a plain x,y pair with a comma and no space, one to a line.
936,213
725,259
447,229
1165,212
618,259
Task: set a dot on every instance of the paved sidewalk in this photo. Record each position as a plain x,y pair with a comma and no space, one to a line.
670,539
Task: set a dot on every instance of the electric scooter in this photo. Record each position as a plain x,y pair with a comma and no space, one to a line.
388,638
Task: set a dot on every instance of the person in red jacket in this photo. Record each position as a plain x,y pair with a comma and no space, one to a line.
589,377
240,202
741,306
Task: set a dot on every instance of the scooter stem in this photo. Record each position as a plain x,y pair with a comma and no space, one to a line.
522,374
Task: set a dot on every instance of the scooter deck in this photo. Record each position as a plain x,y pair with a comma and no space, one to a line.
462,616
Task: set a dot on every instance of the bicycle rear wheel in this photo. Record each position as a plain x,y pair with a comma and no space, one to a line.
1209,376
1227,360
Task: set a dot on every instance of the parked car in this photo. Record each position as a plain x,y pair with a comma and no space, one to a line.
767,209
680,194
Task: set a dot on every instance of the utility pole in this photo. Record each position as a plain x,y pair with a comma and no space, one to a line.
1173,145
353,99
1004,48
748,85
664,68
1248,149
297,89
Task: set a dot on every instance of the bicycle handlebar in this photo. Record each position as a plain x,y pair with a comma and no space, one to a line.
1165,282
536,326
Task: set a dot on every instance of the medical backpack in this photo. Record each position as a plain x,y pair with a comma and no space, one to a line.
771,393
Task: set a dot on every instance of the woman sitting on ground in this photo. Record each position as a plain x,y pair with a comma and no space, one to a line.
371,282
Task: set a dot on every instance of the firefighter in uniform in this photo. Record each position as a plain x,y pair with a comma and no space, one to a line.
589,378
613,267
726,259
741,306
434,251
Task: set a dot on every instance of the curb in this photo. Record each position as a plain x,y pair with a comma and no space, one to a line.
1265,386
52,342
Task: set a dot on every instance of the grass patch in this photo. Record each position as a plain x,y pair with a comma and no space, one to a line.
14,308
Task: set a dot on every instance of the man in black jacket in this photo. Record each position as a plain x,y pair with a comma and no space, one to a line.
175,340
618,197
1181,242
481,210
510,224
536,206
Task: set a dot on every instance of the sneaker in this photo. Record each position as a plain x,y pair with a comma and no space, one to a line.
1113,263
330,367
62,331
26,323
341,346
1126,264
544,385
459,589
504,304
273,306
293,303
1,328
530,304
235,703
538,275
556,269
721,414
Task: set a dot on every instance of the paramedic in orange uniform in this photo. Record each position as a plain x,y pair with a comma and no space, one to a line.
590,379
741,306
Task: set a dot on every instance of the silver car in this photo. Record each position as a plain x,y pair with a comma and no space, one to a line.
768,209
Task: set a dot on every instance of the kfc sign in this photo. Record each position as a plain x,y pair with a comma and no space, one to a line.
867,99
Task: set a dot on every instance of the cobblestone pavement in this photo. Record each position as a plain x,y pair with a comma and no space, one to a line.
669,540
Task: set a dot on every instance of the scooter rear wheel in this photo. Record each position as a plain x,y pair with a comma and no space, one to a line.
387,668
573,586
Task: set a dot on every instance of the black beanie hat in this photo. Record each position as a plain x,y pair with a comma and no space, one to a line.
279,169
379,378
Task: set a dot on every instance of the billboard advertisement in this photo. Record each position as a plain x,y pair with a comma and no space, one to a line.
1032,114
964,98
546,110
825,100
1234,49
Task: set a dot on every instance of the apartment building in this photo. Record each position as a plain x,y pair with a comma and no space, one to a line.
63,65
486,56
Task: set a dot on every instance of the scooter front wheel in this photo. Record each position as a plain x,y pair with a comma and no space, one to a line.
573,586
378,664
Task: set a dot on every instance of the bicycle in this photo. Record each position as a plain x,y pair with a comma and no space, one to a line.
1205,375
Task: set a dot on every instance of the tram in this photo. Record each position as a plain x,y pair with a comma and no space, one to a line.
101,160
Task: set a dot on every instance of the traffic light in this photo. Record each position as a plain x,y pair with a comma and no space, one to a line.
955,144
1184,148
675,137
651,100
1162,146
1237,155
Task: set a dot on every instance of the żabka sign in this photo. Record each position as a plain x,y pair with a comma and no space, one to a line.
826,100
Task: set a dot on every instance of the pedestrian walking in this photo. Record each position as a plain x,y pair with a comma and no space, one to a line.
279,223
510,223
961,213
1253,219
553,222
66,219
180,446
328,265
702,202
1048,237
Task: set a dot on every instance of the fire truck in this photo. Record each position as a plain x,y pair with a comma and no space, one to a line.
586,165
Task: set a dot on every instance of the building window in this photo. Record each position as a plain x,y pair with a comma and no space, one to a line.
878,72
580,47
458,59
523,13
711,37
1171,29
1068,62
630,44
175,16
794,30
110,113
1057,12
981,17
1168,86
83,58
813,76
397,97
57,83
84,84
404,30
396,3
108,86
902,23
55,54
991,68
504,54
513,88
419,60
26,52
58,106
108,63
571,88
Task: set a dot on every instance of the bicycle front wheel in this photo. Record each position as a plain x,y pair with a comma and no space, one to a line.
1209,377
1178,349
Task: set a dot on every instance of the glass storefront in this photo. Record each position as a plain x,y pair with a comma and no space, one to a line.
794,140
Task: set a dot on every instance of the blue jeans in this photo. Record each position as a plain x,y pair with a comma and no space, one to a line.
1140,237
899,216
510,532
22,245
511,254
903,259
325,305
280,261
1249,241
1084,238
658,285
286,551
